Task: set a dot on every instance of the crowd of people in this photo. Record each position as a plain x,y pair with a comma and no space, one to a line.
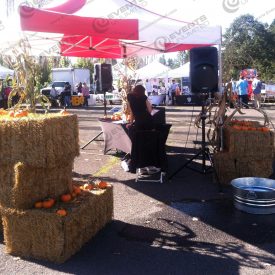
65,97
246,91
170,89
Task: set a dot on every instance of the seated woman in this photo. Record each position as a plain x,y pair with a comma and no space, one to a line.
140,109
141,120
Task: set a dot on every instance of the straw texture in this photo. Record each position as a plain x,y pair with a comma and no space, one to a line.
42,234
229,167
249,143
44,141
22,185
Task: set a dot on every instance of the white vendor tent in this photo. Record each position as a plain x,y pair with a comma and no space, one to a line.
4,72
182,71
153,70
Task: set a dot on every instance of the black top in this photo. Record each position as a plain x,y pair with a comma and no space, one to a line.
143,119
67,90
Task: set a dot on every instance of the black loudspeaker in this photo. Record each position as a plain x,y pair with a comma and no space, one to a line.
103,77
204,70
97,77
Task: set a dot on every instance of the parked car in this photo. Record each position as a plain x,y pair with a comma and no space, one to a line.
268,92
59,86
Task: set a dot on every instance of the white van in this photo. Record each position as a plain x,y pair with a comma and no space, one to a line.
268,92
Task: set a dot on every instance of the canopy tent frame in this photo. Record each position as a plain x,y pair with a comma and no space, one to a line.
113,41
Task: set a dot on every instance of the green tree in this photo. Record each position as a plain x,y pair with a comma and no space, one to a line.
86,63
162,60
183,57
171,63
247,44
45,71
65,62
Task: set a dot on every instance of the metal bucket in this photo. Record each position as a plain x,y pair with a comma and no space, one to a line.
254,195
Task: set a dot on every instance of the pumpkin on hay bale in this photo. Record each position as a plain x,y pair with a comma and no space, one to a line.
39,140
22,185
44,234
249,141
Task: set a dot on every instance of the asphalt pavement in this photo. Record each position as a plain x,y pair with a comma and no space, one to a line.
186,225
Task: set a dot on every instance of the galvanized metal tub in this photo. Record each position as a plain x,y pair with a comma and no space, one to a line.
254,195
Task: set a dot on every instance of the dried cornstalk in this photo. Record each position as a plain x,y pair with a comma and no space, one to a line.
27,72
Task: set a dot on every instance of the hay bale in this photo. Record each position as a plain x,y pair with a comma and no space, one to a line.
22,185
249,143
229,167
224,165
42,234
40,140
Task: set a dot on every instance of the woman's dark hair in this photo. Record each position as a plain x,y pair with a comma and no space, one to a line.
139,90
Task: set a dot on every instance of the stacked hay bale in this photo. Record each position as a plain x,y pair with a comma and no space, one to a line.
42,234
248,151
36,160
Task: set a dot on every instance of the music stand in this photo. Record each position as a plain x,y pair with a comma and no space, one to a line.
204,151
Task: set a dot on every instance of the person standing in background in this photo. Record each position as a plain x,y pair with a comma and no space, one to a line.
85,93
1,94
148,87
257,87
7,91
242,88
173,89
79,88
67,94
53,96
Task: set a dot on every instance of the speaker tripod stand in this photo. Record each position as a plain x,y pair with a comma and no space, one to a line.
100,133
204,152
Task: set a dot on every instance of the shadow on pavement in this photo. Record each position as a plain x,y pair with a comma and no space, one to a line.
173,250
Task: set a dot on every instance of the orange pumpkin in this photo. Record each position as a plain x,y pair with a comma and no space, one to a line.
21,113
87,186
38,204
64,112
244,128
76,189
265,129
61,212
3,112
11,113
48,203
103,185
237,127
66,197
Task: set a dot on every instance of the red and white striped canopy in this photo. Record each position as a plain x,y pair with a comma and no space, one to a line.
117,30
